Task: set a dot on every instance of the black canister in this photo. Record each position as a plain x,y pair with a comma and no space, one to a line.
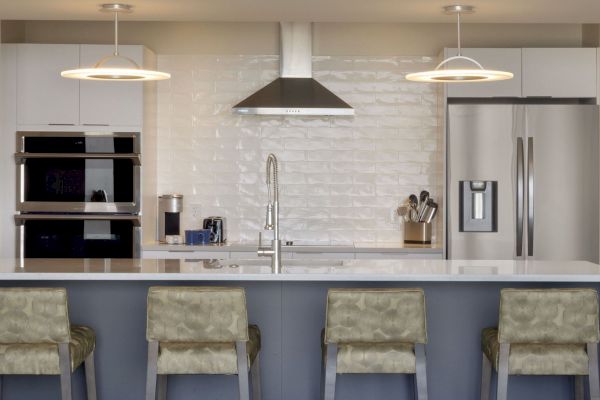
217,227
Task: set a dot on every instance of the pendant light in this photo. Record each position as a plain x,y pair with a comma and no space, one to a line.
127,70
464,75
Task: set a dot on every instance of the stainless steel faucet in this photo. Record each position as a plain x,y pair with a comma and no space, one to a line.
272,222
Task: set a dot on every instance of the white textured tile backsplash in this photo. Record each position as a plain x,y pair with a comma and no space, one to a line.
341,178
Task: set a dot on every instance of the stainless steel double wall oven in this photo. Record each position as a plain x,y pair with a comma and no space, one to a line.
78,194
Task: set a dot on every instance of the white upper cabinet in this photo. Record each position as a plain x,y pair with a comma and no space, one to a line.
566,72
110,103
43,96
497,59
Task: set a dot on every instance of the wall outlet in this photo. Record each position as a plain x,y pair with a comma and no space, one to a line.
196,210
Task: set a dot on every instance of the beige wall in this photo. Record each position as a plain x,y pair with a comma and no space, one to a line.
263,38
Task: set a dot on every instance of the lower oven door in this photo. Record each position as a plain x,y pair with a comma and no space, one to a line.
78,236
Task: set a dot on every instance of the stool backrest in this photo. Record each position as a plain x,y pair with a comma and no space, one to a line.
548,316
376,316
34,315
196,314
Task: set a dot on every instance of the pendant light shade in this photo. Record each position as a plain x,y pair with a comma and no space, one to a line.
115,67
477,73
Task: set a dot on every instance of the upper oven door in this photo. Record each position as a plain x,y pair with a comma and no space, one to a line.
78,172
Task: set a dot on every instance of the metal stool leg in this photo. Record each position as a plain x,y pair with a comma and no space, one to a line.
323,366
90,376
162,387
592,351
255,374
330,372
242,365
502,390
64,360
486,378
421,375
151,375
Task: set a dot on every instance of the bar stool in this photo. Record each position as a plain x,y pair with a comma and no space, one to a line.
200,330
543,332
36,338
377,331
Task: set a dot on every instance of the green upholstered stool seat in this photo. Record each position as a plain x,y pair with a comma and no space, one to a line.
42,358
376,358
374,331
37,338
200,330
205,358
537,359
543,332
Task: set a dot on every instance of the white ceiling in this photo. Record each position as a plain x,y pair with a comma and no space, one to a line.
501,11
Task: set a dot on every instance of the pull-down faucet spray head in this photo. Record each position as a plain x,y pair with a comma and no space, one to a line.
269,224
272,189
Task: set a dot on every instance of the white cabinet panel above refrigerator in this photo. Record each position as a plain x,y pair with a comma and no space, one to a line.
496,59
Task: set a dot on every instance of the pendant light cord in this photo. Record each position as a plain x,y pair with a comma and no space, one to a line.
458,30
116,53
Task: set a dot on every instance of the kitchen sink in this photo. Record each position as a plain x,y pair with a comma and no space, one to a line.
288,266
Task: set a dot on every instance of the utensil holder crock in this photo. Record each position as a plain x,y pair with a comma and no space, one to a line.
417,232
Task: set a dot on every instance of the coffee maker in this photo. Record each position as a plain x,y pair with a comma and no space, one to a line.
170,207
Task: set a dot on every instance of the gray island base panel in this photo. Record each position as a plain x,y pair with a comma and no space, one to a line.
462,298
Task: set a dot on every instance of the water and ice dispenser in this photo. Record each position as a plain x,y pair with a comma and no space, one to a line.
478,206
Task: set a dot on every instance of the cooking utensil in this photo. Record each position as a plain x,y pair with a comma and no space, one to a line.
404,211
433,209
413,202
423,211
423,197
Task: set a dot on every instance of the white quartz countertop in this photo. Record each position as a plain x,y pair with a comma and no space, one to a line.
299,270
301,248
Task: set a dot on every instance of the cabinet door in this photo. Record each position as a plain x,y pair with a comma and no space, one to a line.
110,103
399,256
323,256
568,73
44,97
497,59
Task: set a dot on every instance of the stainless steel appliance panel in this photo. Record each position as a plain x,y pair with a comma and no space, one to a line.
65,172
545,159
562,185
482,147
78,236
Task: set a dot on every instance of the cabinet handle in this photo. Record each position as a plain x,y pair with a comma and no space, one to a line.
95,124
61,124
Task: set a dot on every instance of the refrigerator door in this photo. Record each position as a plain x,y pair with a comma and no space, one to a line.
482,146
562,177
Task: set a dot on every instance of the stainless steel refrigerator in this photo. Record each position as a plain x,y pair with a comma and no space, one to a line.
522,181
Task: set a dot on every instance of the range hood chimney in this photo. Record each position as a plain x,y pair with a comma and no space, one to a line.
295,92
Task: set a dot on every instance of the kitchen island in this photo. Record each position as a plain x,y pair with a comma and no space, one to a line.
462,298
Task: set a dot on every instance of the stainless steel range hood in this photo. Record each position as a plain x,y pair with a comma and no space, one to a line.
295,92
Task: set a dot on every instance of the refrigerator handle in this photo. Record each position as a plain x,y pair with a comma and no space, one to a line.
520,195
530,219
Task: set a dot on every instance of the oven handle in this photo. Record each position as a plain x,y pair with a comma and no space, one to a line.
21,218
136,158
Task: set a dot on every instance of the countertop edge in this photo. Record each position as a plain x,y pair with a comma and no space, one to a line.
291,249
141,277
